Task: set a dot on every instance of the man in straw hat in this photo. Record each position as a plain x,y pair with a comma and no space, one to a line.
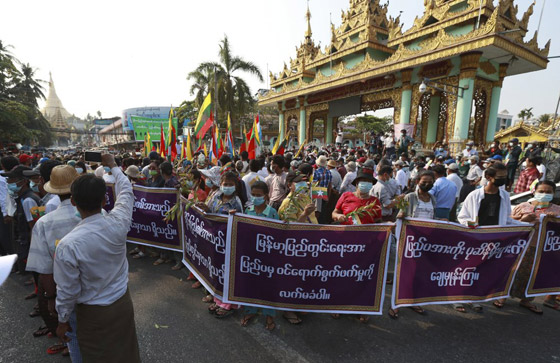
48,230
91,271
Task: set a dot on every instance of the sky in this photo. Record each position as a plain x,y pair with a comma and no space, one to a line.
113,55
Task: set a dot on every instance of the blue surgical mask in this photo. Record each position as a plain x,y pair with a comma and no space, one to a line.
13,187
107,169
208,183
365,187
34,186
227,190
544,197
77,214
190,183
257,200
80,170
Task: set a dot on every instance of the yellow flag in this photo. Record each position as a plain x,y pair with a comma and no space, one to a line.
189,155
301,148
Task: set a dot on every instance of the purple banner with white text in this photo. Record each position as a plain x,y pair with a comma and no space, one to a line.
306,267
148,225
441,262
545,278
109,197
204,247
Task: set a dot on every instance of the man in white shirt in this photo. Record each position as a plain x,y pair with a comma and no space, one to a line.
475,172
46,233
470,150
91,271
452,170
402,176
252,176
349,178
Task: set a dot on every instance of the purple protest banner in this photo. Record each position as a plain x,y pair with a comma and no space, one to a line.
545,279
306,267
148,225
109,197
441,262
204,247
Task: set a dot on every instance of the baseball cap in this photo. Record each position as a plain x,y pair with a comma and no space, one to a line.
453,166
23,158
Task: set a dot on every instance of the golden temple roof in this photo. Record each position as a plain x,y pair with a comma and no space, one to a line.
447,28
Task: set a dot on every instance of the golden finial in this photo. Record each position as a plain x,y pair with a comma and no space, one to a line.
308,16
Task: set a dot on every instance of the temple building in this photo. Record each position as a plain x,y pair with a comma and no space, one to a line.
56,114
442,77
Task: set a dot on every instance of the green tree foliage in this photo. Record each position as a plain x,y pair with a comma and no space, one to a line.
20,118
187,110
223,80
525,113
368,123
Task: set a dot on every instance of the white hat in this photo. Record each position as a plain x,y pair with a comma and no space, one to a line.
453,166
322,161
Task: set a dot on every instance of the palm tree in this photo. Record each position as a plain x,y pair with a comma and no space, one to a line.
544,118
8,70
233,93
27,88
525,114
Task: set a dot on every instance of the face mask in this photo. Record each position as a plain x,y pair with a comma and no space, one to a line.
107,169
257,200
544,197
14,188
153,172
77,214
467,162
190,183
485,165
530,146
511,144
469,147
500,182
227,190
79,170
208,183
365,187
440,149
301,186
425,187
34,187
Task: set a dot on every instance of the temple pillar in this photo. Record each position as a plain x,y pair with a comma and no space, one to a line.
329,130
433,118
469,66
406,96
281,123
302,119
494,104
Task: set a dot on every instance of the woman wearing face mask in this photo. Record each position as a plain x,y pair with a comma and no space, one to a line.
350,201
224,201
260,208
155,179
530,212
303,212
420,204
196,184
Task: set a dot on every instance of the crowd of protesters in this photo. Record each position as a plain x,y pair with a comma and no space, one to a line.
54,202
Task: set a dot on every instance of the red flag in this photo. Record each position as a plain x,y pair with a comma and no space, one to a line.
163,151
173,143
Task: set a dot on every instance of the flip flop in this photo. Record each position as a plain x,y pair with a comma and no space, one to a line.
459,308
532,308
498,304
43,330
247,319
55,349
552,305
393,314
418,310
213,308
292,320
223,313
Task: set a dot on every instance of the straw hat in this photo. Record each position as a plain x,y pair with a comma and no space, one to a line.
62,177
322,161
133,171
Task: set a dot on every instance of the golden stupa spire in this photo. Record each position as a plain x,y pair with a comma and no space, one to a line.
308,33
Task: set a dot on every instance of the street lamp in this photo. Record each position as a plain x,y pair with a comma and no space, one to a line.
426,82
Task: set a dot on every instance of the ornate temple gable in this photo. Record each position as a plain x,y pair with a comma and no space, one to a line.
429,47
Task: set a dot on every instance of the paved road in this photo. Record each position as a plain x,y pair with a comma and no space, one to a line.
163,297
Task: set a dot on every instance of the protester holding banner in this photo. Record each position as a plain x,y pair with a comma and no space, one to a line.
530,212
155,180
297,206
211,180
196,184
260,208
358,207
224,201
